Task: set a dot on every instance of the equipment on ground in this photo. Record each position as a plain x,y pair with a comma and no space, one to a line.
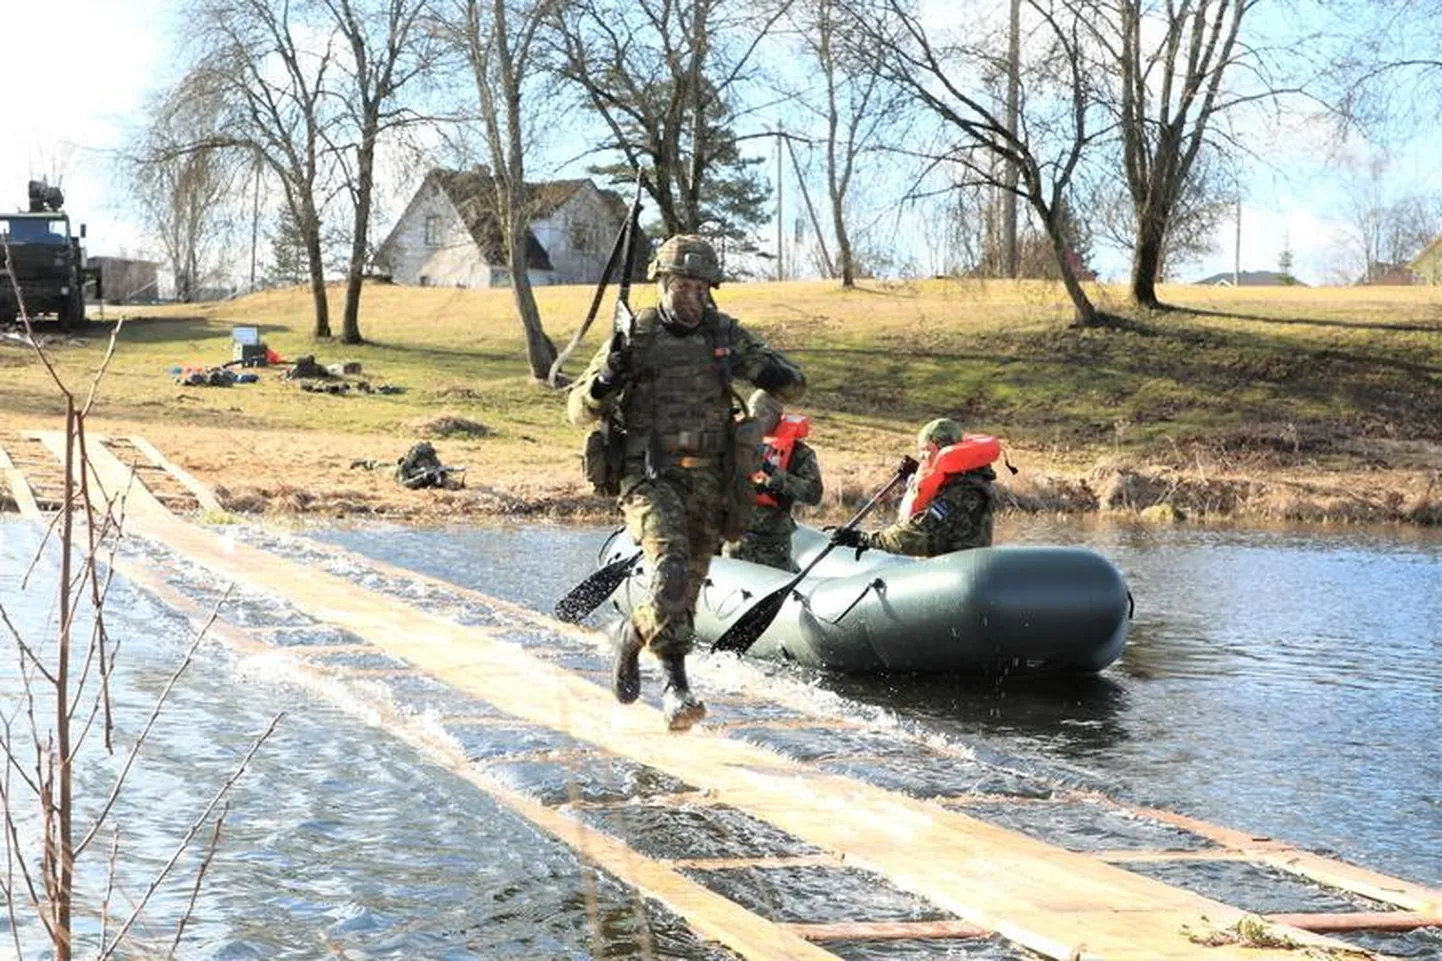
42,265
989,610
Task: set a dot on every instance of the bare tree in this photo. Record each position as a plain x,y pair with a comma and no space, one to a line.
1205,202
70,679
387,51
856,107
1385,229
185,195
266,68
499,42
663,75
1060,115
1172,70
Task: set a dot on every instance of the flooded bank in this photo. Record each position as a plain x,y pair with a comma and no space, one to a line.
322,807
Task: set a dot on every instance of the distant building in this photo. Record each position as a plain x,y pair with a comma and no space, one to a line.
1388,275
449,235
127,281
1427,267
1250,278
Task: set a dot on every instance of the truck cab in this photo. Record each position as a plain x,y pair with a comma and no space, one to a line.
41,257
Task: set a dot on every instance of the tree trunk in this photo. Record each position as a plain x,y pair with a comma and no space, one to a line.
843,246
1147,262
540,352
365,181
311,230
1086,312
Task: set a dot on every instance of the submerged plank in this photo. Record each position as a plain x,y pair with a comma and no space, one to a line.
1061,904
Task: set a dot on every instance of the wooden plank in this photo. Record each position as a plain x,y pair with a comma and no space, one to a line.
1058,903
23,495
1151,857
1265,851
5,463
1360,921
202,493
887,931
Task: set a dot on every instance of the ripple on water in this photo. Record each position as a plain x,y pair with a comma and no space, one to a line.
824,743
597,779
1088,826
941,949
817,895
482,742
695,832
928,777
1423,944
1256,888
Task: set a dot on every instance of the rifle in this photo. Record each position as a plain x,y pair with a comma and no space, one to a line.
624,248
430,475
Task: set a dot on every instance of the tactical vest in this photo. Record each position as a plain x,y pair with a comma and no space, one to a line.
972,452
779,447
677,407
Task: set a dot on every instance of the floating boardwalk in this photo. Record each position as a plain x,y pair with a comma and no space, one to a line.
971,878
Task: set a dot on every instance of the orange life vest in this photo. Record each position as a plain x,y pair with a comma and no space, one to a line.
779,447
971,452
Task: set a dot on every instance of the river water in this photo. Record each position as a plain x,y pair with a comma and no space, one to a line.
1288,683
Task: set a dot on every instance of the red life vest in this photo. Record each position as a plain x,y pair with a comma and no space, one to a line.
971,452
779,447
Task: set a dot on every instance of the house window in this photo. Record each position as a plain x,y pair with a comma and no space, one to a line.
433,230
425,280
583,238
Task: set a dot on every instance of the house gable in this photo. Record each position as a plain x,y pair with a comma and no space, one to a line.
579,232
1427,267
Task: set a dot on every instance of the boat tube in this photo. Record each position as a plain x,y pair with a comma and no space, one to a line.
986,610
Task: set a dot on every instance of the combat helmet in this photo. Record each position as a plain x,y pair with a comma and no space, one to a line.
943,432
688,255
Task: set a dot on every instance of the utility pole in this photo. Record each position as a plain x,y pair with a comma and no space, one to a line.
1013,96
254,225
1237,247
780,220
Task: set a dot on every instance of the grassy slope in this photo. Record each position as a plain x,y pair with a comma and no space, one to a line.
1315,380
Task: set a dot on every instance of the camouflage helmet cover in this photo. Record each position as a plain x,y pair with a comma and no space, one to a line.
688,255
943,432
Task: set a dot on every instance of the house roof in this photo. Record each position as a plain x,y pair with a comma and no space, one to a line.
473,194
1430,250
1249,278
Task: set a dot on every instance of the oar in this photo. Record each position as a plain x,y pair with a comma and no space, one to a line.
749,626
586,596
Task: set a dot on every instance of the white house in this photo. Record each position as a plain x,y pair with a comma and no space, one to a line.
449,235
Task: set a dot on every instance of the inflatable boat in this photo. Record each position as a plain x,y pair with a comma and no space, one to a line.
994,609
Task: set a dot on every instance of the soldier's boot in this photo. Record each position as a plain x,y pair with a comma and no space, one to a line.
626,669
681,708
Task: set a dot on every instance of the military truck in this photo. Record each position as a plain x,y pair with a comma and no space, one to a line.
45,259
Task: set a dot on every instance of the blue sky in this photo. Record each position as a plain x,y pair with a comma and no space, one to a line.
100,59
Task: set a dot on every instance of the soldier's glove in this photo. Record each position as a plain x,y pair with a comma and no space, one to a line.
848,537
614,373
774,484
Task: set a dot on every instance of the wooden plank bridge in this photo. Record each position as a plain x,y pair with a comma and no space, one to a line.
978,879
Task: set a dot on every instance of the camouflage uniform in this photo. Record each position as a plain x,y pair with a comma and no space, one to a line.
958,518
676,409
768,541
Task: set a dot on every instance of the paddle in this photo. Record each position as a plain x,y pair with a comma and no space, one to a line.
586,596
749,626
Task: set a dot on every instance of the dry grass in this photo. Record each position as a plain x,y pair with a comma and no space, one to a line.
1277,402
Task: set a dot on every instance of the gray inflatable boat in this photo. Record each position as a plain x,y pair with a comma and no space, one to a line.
1023,608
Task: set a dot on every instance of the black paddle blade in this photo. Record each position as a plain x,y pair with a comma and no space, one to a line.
749,626
588,595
